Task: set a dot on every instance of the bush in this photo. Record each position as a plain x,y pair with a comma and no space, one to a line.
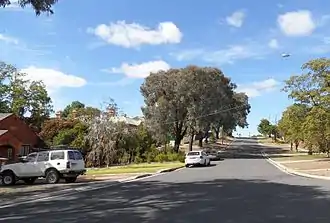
138,159
212,138
151,155
162,157
173,156
181,157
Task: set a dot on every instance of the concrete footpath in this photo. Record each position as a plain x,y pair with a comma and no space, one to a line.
315,168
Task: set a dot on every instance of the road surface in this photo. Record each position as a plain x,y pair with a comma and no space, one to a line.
238,189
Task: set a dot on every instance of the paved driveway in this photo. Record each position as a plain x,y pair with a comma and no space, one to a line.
243,188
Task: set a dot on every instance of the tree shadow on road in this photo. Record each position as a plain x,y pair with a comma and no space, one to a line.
253,151
227,200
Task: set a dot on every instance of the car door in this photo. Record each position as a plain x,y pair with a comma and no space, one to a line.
29,166
42,163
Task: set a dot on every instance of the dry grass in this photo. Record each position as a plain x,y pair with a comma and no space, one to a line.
135,168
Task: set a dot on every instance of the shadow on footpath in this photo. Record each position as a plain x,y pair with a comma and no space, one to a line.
248,201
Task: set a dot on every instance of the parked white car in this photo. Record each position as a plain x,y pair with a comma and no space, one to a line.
197,158
52,165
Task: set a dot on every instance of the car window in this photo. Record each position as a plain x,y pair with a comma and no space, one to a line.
71,155
43,156
31,157
77,155
57,155
193,154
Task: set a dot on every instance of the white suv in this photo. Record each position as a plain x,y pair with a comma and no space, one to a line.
52,165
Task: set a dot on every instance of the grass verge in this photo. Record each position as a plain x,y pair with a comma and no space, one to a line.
135,168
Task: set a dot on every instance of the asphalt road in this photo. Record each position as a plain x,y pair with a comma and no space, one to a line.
242,188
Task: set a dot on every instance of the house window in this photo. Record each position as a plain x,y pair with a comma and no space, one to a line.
10,153
25,150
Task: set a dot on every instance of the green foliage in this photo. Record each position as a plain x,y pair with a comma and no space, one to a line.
190,101
161,157
308,120
291,123
39,6
19,96
64,132
265,127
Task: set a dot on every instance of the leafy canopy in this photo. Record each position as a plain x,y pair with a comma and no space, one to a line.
39,6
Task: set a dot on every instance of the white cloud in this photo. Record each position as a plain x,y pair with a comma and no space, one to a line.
53,79
187,54
256,89
297,23
134,35
236,19
140,70
8,39
223,56
273,43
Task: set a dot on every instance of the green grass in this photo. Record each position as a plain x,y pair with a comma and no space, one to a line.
302,157
135,168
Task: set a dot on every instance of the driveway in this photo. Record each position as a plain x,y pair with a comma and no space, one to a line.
243,187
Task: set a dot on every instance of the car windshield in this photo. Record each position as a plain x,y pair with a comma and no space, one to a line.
193,154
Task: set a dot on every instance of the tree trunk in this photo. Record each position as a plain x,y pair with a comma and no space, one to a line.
217,132
200,142
206,136
177,142
296,143
191,141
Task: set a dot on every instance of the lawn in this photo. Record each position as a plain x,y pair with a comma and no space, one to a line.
302,157
135,168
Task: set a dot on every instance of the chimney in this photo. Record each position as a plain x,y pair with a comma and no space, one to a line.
58,114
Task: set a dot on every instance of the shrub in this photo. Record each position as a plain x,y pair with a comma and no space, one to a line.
162,157
138,159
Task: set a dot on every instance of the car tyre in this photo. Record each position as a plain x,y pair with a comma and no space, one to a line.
187,165
52,177
70,179
8,178
30,181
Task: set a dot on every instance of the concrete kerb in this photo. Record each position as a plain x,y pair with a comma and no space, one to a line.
291,171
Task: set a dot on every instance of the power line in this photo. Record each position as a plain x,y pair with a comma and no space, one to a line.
209,114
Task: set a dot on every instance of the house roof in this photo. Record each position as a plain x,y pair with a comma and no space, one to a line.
2,132
127,120
4,115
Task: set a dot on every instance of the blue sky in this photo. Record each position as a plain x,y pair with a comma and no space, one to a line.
92,50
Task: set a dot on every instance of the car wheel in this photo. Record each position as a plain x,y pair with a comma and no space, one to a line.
70,179
8,178
52,177
187,165
30,180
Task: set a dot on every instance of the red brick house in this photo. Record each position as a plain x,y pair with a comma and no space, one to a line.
16,137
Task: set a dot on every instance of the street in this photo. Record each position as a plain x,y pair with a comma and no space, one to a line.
242,188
